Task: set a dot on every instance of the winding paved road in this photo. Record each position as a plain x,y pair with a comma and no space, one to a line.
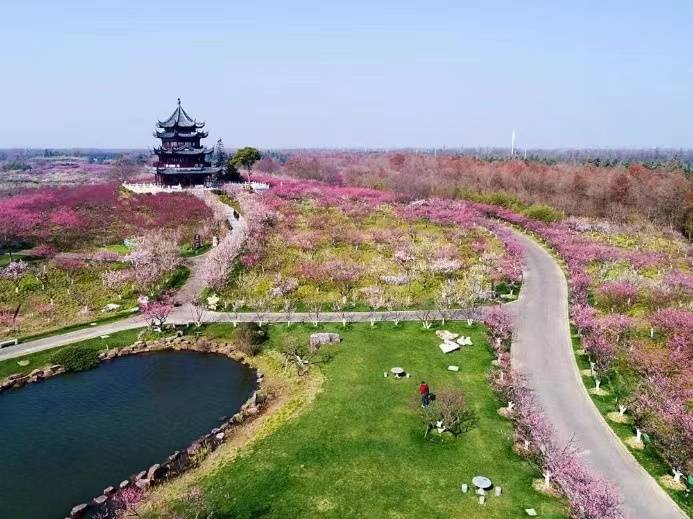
542,352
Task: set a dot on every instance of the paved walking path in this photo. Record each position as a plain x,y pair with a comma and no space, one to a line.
542,352
195,283
184,315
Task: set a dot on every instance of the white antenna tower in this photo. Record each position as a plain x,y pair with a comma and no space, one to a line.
512,144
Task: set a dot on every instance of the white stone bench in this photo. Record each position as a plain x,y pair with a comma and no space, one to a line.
447,347
464,341
446,335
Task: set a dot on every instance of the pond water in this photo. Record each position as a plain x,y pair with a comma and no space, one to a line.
63,440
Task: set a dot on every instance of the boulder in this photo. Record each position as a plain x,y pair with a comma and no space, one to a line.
251,411
174,456
320,338
100,500
155,472
194,448
19,382
143,484
78,511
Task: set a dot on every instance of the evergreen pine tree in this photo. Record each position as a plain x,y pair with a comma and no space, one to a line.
220,156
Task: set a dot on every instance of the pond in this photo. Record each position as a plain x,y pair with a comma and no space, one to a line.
63,440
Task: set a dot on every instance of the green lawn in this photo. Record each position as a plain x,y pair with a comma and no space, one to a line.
120,248
188,251
359,450
43,358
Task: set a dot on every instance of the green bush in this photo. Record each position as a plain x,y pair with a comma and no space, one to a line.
499,198
503,199
248,338
544,213
76,358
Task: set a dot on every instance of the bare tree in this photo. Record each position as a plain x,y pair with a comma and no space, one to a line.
426,317
288,308
198,311
235,306
261,306
314,311
339,307
297,354
123,170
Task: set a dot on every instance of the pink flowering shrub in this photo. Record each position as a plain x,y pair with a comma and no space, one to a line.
617,294
73,217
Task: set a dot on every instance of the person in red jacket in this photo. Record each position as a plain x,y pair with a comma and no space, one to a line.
425,394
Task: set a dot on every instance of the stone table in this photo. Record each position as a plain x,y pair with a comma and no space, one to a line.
482,482
397,372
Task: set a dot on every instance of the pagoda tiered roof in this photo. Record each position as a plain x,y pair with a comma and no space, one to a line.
180,119
183,150
175,134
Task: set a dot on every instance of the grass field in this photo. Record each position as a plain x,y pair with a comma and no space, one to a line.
359,449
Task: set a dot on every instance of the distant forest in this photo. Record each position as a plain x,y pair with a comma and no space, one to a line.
659,193
648,185
649,157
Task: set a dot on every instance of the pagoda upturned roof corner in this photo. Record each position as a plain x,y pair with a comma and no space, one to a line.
180,119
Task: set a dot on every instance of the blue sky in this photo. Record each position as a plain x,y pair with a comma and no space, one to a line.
349,74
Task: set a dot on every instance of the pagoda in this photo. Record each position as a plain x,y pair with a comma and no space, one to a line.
181,159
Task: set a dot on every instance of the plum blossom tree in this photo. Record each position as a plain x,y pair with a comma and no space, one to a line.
583,317
155,254
499,322
375,301
115,279
14,272
127,500
156,312
343,275
217,263
198,311
448,414
446,298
